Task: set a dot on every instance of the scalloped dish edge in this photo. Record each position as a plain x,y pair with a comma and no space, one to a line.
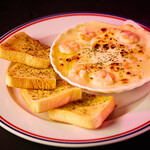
110,90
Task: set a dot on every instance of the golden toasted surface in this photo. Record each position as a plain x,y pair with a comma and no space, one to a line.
89,112
21,70
88,105
23,76
24,49
24,43
61,86
42,100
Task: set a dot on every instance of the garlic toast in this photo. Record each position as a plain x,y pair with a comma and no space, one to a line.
89,112
24,49
42,100
23,76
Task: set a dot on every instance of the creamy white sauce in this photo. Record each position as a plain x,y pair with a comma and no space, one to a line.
113,56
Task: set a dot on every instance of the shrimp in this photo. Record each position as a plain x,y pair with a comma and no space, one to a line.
127,65
86,35
110,78
101,74
130,61
105,76
128,37
78,69
69,47
83,74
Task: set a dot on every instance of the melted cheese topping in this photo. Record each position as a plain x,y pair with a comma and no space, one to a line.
99,55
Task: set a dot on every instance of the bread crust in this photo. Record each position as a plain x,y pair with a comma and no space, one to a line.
22,76
52,101
88,115
30,83
9,50
24,58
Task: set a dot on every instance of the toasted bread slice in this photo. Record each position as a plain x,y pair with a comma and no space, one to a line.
90,112
42,100
22,76
24,49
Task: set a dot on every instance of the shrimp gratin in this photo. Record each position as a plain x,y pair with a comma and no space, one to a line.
103,57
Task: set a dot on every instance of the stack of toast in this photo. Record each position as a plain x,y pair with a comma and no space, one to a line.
44,91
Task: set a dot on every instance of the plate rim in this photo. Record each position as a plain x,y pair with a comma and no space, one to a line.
74,143
61,142
58,15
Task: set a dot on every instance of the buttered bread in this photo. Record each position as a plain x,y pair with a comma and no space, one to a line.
24,49
43,100
23,76
89,112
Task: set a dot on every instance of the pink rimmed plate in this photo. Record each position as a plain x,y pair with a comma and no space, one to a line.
129,119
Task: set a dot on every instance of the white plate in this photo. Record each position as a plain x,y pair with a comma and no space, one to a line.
130,118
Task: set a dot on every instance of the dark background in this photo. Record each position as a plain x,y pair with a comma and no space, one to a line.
16,12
